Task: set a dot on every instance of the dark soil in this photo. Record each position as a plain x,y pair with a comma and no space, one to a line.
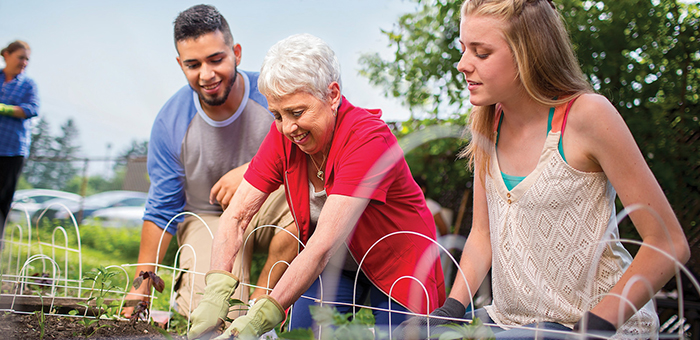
26,326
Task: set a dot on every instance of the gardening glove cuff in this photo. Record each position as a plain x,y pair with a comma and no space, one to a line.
6,110
415,327
265,314
594,327
213,308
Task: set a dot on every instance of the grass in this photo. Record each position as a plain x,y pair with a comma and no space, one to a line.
101,247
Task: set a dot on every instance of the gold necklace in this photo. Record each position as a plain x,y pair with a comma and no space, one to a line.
319,170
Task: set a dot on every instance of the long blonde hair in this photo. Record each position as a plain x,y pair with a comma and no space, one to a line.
545,61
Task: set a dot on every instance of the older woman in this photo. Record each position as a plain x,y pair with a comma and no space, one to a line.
18,102
347,185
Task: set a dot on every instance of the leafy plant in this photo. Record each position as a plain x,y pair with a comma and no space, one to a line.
141,310
474,330
103,281
337,326
158,283
41,318
178,324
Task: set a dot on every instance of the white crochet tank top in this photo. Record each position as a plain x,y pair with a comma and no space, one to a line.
555,244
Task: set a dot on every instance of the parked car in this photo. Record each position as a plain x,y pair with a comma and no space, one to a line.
93,203
130,217
32,200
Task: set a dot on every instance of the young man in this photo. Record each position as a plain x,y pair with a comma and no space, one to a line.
200,146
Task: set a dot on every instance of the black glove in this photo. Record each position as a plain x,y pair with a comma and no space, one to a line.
415,327
595,327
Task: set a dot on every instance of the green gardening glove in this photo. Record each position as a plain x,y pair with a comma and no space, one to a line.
7,110
265,314
213,308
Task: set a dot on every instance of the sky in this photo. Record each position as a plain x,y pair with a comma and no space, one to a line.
110,65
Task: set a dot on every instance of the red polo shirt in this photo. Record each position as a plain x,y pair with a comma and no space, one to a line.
364,161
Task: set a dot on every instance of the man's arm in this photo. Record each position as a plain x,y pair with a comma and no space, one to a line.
148,250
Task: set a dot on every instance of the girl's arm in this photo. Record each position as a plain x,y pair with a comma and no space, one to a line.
476,256
598,138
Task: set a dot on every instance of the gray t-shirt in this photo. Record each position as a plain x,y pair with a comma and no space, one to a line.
212,148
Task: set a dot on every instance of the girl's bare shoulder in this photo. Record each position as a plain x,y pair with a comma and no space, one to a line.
593,114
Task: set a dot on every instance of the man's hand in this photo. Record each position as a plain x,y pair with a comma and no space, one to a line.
7,110
211,311
226,186
265,314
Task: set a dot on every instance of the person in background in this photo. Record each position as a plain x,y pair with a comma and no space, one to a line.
442,223
201,143
549,157
19,102
348,185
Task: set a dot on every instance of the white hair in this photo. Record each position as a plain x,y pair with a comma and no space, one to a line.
301,62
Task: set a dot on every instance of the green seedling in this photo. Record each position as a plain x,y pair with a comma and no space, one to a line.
41,318
103,285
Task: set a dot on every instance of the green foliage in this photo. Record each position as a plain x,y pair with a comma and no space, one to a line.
474,330
52,162
121,243
423,72
102,287
41,318
335,325
178,324
136,149
46,168
163,332
642,55
23,184
437,163
95,184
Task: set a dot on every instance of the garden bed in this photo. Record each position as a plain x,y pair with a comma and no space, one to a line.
27,326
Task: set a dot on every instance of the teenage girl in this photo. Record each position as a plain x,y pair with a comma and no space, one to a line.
549,156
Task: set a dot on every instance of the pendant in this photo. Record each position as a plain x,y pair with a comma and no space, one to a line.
319,174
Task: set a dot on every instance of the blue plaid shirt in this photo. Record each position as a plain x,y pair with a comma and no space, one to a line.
15,133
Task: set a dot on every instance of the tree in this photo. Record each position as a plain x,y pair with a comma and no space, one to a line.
423,72
136,149
35,172
642,55
65,150
49,165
